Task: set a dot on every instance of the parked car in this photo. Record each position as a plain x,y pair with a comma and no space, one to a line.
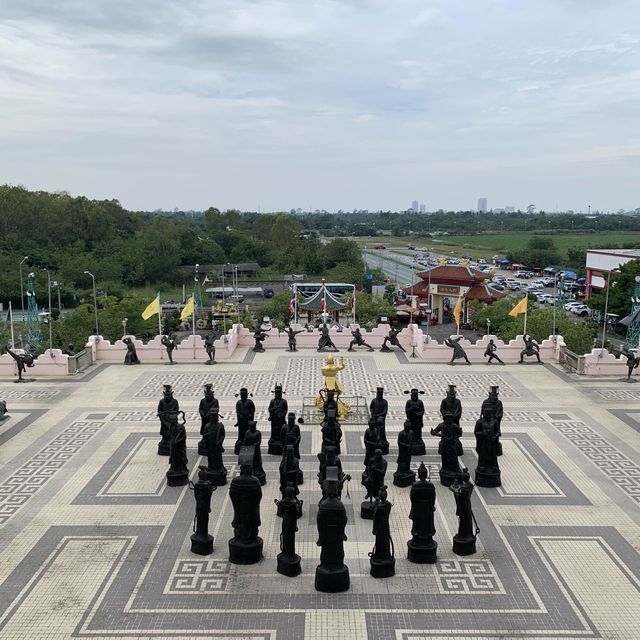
496,287
543,298
533,288
569,305
581,310
523,274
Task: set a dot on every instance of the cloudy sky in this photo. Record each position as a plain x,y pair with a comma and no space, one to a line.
273,104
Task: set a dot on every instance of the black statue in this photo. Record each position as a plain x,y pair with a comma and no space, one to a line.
245,493
213,437
288,508
169,345
178,473
290,435
414,410
498,412
451,404
253,438
378,408
464,542
278,409
289,469
167,405
204,409
210,348
422,548
358,340
458,351
382,558
71,350
259,336
131,357
490,352
245,411
486,432
633,361
3,410
449,433
329,460
22,360
202,540
392,338
404,477
371,444
331,434
325,341
531,348
291,337
373,482
329,403
332,575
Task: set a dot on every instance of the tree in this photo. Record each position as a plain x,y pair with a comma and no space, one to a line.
622,288
277,309
369,308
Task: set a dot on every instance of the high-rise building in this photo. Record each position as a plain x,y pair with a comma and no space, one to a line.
414,206
423,208
482,205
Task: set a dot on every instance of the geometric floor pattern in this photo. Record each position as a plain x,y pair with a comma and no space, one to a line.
95,545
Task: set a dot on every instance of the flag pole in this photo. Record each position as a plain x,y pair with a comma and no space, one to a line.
525,314
193,328
160,324
353,304
295,303
13,343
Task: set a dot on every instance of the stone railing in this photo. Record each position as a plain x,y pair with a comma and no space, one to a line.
51,363
602,363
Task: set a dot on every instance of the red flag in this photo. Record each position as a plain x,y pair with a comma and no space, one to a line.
292,305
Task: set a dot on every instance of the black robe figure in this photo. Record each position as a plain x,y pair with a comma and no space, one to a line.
291,338
486,432
259,336
288,508
414,410
167,405
245,493
422,548
131,357
531,348
373,481
3,410
633,362
169,345
178,473
290,435
253,438
464,542
498,412
490,352
329,460
204,409
378,408
331,435
245,411
329,403
214,435
325,341
371,443
451,404
449,432
278,409
332,575
382,558
404,477
358,341
458,351
210,348
22,360
289,468
202,540
392,338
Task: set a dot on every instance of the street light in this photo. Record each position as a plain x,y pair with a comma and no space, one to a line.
50,317
22,286
124,326
488,326
95,300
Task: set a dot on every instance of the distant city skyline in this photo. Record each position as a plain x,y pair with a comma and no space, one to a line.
336,104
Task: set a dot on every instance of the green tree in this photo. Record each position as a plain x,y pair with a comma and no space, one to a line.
622,288
277,309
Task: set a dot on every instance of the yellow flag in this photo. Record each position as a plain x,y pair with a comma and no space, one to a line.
152,308
457,309
521,307
188,309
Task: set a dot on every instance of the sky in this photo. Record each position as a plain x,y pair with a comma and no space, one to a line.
324,104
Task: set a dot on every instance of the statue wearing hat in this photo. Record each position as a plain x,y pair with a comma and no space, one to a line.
414,410
166,406
495,403
290,435
464,542
373,482
253,438
245,411
204,409
178,474
422,548
404,477
382,558
202,540
278,409
289,508
451,404
449,433
213,437
378,408
330,370
486,432
289,468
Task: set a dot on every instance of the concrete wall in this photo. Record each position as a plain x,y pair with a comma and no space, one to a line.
50,363
602,363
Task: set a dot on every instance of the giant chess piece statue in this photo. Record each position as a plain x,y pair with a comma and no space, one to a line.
451,404
253,438
449,433
178,474
378,408
404,477
169,345
202,540
332,575
246,493
414,410
531,348
392,338
331,434
494,402
214,435
290,435
291,337
288,508
458,352
325,341
464,542
210,348
167,405
422,548
382,558
3,410
633,361
328,460
131,357
22,360
278,409
486,432
259,336
371,443
373,482
329,403
358,341
289,469
245,411
204,409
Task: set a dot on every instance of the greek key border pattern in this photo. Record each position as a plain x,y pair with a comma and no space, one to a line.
468,576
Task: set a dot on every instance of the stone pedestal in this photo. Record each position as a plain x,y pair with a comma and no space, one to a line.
201,546
366,510
422,553
383,568
448,478
418,448
245,552
163,448
177,479
275,447
404,479
464,546
487,477
289,565
217,477
202,449
332,580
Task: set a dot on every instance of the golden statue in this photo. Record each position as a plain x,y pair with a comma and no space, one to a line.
330,380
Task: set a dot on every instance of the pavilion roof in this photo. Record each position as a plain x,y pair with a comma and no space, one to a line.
313,303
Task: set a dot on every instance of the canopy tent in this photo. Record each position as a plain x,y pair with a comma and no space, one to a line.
314,303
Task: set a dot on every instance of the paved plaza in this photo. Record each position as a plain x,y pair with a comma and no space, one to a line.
93,544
